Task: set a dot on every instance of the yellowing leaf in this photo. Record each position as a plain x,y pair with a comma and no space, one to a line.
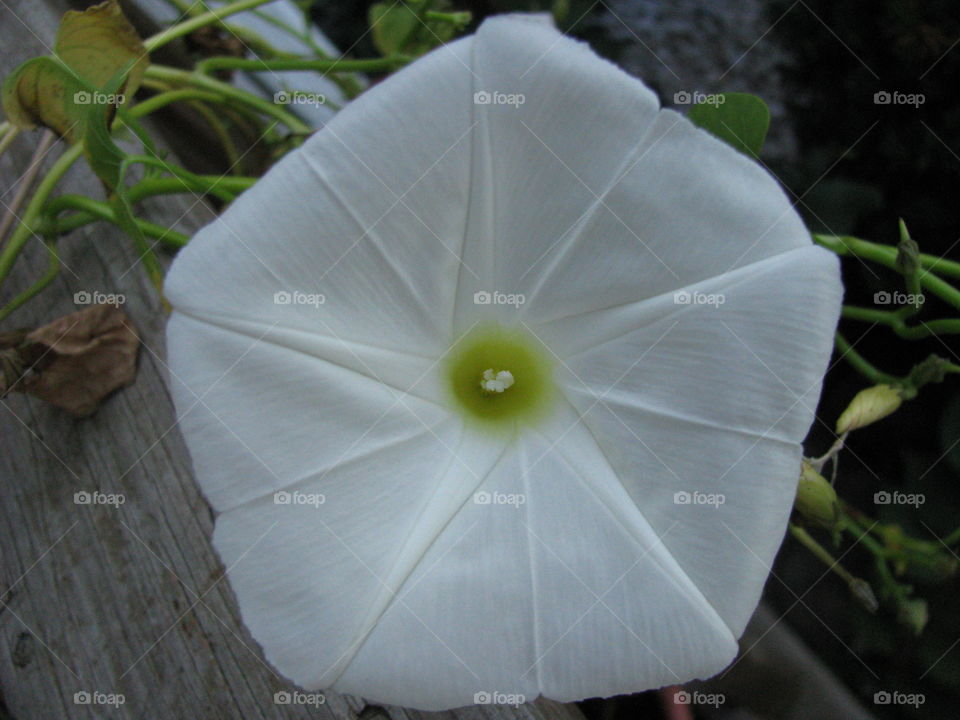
92,47
100,41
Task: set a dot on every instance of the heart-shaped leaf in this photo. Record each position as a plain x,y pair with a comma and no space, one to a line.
739,119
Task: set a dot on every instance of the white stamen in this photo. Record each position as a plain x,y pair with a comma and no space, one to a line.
496,382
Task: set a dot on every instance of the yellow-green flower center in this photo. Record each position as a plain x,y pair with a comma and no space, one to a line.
498,377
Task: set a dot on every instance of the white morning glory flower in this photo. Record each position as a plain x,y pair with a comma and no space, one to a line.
498,384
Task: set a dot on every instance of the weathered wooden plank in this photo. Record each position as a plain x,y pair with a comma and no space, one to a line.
126,599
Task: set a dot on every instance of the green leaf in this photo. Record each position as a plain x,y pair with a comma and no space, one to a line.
100,41
103,154
410,27
391,24
739,119
42,91
91,48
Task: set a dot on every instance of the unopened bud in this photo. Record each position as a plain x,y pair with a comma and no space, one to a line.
816,499
862,591
868,406
913,614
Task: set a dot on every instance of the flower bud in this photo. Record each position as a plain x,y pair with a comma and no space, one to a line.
913,614
816,499
868,406
864,594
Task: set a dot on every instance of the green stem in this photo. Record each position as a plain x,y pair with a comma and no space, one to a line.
860,589
176,76
199,21
92,210
862,365
370,65
160,100
8,136
895,321
24,231
887,256
820,552
53,268
149,187
953,538
233,155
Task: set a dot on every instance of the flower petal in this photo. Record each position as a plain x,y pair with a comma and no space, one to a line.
568,593
259,417
313,580
687,208
586,195
712,399
539,164
356,235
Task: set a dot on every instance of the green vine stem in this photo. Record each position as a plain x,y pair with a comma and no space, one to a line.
53,269
198,21
370,65
894,320
887,256
8,134
28,221
862,365
92,210
184,78
858,587
258,45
